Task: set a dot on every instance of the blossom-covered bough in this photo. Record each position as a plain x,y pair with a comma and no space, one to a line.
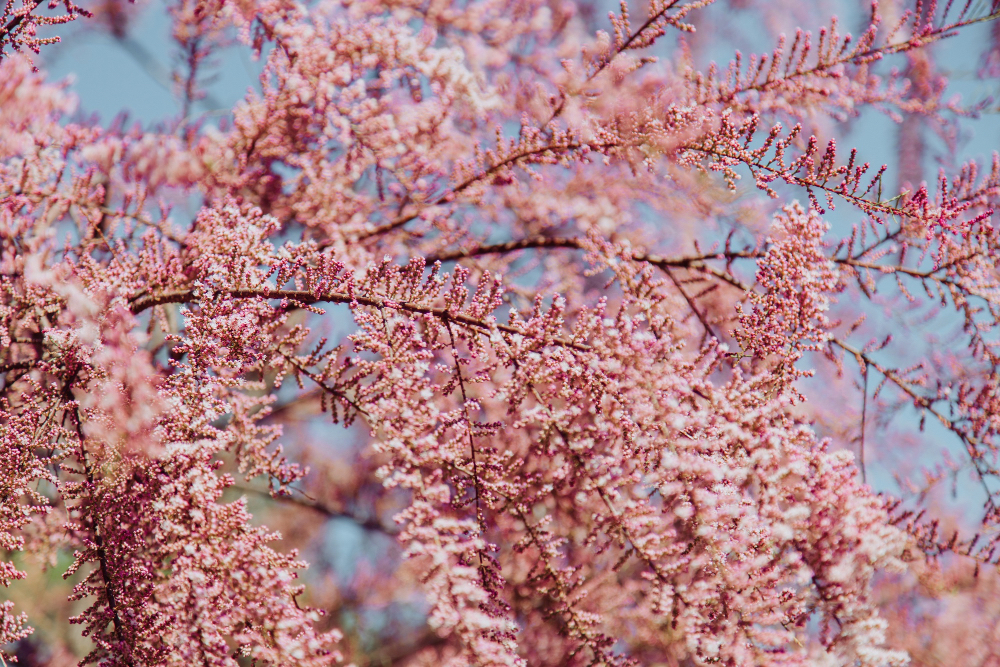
594,441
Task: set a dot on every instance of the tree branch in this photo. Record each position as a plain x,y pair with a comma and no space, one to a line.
148,301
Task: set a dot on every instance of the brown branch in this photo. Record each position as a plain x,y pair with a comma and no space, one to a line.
702,318
924,403
853,58
148,301
322,384
603,65
102,553
866,205
16,21
370,524
509,161
18,365
864,414
560,597
504,248
480,519
694,262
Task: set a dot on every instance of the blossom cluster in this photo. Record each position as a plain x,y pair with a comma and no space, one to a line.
472,236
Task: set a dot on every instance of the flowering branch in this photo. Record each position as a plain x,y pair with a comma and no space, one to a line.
146,302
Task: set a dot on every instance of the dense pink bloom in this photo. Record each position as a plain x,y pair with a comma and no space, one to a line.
590,393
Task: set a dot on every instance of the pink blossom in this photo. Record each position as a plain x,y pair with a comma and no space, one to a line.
587,378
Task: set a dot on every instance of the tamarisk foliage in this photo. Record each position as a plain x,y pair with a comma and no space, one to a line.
471,233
